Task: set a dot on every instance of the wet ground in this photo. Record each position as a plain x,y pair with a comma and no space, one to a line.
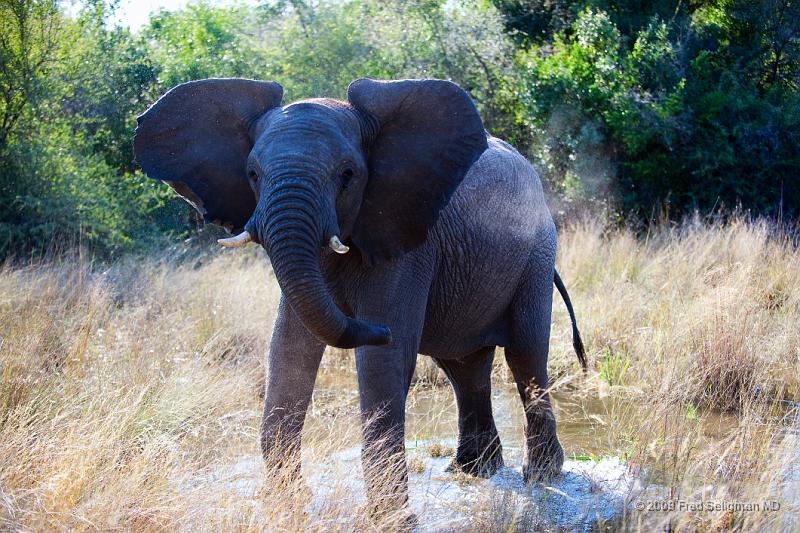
596,487
587,494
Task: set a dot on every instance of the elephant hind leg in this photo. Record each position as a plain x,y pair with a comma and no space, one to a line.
479,450
526,355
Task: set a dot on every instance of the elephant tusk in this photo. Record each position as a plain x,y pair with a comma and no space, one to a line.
337,246
238,241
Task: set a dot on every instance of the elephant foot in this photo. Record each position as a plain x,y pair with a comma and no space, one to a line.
481,457
483,468
282,461
404,521
543,461
401,519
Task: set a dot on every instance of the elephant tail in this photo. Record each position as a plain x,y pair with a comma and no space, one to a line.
577,343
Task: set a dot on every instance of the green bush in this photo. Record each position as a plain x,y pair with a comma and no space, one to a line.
676,121
633,108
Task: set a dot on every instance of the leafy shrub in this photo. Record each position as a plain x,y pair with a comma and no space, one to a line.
673,121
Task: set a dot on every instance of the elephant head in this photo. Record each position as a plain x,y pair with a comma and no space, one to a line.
371,173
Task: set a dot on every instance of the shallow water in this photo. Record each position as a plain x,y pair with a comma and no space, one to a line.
585,495
596,487
589,490
584,422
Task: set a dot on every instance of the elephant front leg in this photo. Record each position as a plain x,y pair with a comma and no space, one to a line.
292,364
384,377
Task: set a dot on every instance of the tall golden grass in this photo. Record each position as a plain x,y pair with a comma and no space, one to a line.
125,388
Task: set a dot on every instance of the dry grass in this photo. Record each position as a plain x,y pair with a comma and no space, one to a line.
693,321
124,390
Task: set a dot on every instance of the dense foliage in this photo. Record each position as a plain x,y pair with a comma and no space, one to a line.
627,107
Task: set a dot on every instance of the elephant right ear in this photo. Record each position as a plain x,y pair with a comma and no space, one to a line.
196,138
428,135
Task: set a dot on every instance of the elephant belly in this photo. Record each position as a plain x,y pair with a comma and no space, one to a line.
484,240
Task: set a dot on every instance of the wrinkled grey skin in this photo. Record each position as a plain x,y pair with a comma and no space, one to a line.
452,249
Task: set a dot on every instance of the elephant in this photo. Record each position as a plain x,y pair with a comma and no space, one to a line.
395,225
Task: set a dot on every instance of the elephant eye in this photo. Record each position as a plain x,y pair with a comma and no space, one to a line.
345,176
253,176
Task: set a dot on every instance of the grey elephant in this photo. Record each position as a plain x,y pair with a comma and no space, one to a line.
395,225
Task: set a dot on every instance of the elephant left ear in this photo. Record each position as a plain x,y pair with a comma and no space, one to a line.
196,138
429,135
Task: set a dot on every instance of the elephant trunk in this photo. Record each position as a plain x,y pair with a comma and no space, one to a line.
287,227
